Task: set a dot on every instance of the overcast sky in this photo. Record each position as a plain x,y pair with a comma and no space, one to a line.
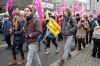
84,1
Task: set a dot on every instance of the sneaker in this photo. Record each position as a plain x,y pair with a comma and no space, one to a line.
21,62
48,51
13,62
57,50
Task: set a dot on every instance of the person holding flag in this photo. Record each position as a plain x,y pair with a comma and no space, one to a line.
51,38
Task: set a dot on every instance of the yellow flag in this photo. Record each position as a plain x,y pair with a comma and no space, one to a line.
54,27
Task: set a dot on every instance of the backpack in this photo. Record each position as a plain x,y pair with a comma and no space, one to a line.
96,33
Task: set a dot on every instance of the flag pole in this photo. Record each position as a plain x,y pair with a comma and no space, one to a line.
82,11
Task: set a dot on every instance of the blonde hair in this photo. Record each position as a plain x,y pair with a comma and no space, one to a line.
15,22
68,10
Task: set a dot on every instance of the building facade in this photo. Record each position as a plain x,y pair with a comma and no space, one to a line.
92,5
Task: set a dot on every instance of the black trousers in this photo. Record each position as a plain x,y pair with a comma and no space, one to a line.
90,36
8,40
18,47
81,41
96,49
76,41
60,37
87,37
53,41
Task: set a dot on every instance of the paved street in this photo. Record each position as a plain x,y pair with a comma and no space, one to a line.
84,58
81,58
6,55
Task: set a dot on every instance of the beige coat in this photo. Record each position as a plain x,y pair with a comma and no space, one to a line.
81,32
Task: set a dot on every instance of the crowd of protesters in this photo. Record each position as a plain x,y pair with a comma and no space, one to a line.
26,28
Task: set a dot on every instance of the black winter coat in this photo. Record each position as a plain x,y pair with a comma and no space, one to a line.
19,34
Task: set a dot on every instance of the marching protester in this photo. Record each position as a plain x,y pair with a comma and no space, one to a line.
7,30
47,29
51,37
59,20
18,41
96,38
77,19
69,26
92,26
33,30
87,32
81,33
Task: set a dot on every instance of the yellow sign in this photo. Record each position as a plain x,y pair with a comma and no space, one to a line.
54,27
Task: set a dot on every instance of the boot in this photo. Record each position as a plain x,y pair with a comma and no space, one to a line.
21,62
61,62
48,51
13,62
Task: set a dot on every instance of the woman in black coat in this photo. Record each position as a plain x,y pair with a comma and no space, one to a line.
18,40
96,47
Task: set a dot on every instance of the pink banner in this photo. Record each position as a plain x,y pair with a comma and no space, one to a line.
38,8
9,5
61,9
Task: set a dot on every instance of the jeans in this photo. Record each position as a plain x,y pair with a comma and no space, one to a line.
68,45
33,54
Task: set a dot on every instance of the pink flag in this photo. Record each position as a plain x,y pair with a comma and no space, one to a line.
61,9
9,5
14,0
38,8
87,13
96,14
77,8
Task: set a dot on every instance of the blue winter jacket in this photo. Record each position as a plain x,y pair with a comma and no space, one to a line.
6,26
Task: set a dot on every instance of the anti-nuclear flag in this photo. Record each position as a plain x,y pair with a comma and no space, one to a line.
54,27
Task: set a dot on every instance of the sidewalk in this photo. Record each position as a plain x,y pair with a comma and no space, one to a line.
84,58
81,58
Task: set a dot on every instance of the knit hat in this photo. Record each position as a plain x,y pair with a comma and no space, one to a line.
6,13
29,8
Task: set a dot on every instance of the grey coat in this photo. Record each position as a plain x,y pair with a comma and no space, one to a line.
69,26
